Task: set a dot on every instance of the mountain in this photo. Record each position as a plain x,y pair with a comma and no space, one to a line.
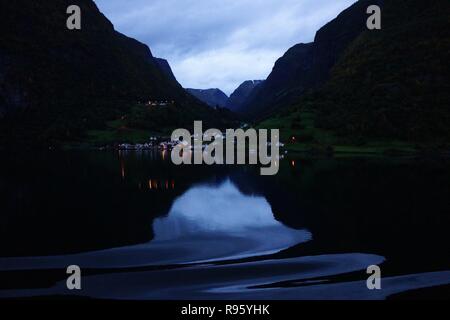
240,95
389,89
395,82
212,97
56,83
166,69
290,77
216,97
308,66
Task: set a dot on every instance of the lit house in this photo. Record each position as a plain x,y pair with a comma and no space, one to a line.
159,103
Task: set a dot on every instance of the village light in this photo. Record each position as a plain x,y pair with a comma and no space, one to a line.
235,142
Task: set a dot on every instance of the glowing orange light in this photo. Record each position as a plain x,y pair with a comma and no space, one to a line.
122,169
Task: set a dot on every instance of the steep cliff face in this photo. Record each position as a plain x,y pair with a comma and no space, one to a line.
395,82
308,66
333,39
212,97
290,77
166,69
51,76
241,94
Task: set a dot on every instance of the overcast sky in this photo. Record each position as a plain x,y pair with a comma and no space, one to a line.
220,43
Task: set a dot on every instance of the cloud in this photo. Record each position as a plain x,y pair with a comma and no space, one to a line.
218,43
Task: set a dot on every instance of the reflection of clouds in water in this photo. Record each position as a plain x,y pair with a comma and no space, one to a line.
212,223
207,223
220,209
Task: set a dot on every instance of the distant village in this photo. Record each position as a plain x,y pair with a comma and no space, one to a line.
157,103
155,142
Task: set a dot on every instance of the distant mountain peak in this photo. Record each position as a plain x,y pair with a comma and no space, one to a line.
213,97
241,94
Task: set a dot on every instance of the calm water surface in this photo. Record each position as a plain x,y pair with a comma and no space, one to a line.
142,228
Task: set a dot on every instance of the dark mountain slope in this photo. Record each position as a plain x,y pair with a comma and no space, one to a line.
307,66
212,97
289,78
241,94
394,83
165,67
56,83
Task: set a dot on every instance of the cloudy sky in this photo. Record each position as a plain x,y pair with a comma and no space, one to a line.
220,43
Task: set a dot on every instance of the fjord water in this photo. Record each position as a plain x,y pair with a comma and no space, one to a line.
142,228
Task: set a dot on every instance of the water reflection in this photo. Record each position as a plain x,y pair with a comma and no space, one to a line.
162,184
159,219
209,222
220,209
233,224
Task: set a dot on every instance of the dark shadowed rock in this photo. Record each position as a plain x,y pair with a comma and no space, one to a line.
165,67
290,77
334,38
241,94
